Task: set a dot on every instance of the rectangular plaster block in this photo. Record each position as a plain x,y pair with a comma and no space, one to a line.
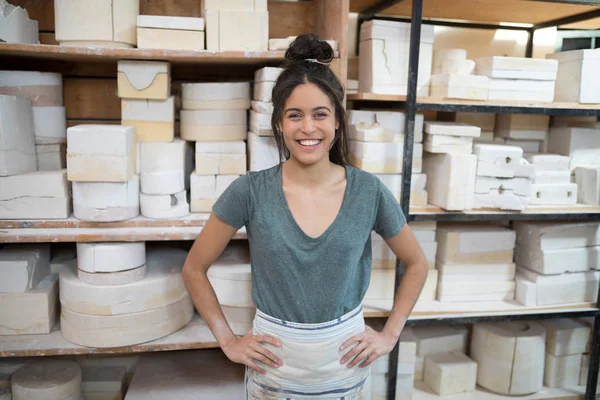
588,185
17,140
215,96
566,336
529,96
496,160
521,85
215,164
439,339
203,186
576,81
552,177
448,144
51,157
450,180
243,30
35,195
16,27
169,39
582,145
260,124
165,166
504,200
262,107
475,291
468,87
574,287
521,134
577,259
23,267
32,312
214,125
42,88
144,80
381,126
476,244
528,146
522,122
470,273
450,373
554,194
562,371
516,63
262,91
383,158
101,153
518,186
49,124
153,120
267,74
211,18
451,129
262,152
556,235
549,162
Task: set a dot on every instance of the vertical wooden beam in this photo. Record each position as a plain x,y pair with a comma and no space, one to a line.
331,23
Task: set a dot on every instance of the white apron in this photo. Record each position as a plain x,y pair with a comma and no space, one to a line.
311,361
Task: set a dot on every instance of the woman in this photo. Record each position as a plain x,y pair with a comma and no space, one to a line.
309,223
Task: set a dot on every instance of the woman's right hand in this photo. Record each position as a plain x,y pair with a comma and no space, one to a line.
246,349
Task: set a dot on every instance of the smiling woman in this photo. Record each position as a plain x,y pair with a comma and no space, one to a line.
309,222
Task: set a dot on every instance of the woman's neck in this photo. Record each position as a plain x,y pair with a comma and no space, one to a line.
308,176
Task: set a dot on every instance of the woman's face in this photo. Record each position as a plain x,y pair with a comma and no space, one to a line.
308,124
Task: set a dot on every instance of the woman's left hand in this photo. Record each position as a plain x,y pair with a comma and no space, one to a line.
371,345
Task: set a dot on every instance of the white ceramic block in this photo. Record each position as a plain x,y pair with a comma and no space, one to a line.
528,146
455,86
51,157
442,55
260,124
23,267
112,278
153,120
504,200
383,158
262,152
214,125
576,81
103,380
518,186
496,160
203,186
43,88
166,167
47,379
549,162
519,65
164,206
17,147
582,145
554,194
101,153
450,180
553,177
562,371
467,272
110,256
528,96
144,79
262,91
35,195
162,285
237,30
439,339
31,312
262,107
128,329
105,23
521,85
457,67
475,291
381,126
16,27
451,129
267,74
588,185
509,356
475,244
522,122
232,282
215,96
566,336
556,236
575,287
106,201
49,125
450,373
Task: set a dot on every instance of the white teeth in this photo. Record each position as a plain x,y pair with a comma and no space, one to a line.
309,142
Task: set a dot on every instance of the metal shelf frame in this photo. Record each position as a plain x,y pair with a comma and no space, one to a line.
411,106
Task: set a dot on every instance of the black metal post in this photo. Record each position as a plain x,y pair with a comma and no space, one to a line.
592,379
409,139
529,48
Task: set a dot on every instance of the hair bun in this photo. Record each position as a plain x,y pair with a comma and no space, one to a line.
309,46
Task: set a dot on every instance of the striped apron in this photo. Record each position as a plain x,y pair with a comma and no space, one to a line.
311,361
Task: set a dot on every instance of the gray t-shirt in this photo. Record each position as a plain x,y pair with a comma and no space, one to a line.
302,279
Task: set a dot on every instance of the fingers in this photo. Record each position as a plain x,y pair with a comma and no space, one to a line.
263,359
372,357
255,367
353,339
274,361
352,353
362,356
268,339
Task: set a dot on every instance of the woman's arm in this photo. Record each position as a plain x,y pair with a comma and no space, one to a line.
374,344
207,248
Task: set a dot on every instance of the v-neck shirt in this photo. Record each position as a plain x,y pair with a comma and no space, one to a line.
296,277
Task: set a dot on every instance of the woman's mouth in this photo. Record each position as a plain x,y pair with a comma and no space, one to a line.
309,144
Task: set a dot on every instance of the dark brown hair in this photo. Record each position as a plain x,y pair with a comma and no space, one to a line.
306,62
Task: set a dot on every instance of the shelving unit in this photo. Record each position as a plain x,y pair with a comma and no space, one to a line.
482,14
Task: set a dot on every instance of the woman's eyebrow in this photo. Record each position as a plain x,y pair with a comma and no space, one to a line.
314,109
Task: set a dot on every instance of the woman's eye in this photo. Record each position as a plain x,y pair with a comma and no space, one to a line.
294,116
321,115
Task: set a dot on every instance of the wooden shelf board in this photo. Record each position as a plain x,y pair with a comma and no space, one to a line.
91,54
493,103
577,209
490,11
434,309
194,335
422,392
74,230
